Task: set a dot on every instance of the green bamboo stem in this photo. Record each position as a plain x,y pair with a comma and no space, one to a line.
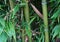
26,12
45,18
23,37
30,39
12,6
22,20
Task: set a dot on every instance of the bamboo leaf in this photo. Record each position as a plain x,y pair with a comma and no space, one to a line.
2,25
32,20
28,31
2,22
22,4
55,34
52,0
10,29
15,9
56,14
56,30
1,29
3,37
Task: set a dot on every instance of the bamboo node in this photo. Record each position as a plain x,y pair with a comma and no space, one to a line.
44,3
46,30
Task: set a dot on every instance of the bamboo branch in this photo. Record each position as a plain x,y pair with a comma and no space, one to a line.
37,11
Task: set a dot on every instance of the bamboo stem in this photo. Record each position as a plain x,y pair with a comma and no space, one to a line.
23,39
11,4
26,12
45,18
23,31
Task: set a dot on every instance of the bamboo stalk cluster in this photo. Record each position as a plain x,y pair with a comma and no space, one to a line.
43,16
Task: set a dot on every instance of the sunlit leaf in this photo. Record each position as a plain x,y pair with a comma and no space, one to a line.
2,22
15,9
56,31
2,25
10,29
3,37
1,29
28,31
56,14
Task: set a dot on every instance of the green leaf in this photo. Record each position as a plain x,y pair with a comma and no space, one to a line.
1,29
10,29
22,4
52,0
56,14
15,9
55,34
3,37
2,22
56,30
32,20
2,25
28,30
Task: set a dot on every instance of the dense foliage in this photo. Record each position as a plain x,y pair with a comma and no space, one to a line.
29,20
